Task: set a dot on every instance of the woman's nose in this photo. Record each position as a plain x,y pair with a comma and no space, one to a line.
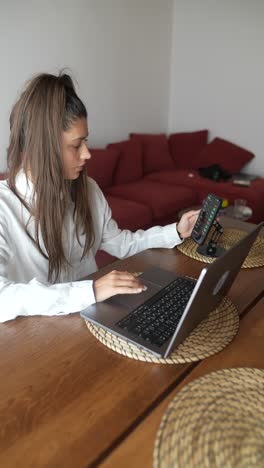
85,153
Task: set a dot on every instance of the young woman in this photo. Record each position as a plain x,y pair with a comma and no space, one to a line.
53,218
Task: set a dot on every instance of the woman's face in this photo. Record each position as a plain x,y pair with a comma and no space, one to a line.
74,149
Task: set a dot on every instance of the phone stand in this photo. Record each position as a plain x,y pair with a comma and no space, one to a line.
212,249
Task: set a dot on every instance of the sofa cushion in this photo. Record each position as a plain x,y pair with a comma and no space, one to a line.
184,148
129,214
103,258
164,200
228,155
129,167
175,177
156,155
254,194
101,166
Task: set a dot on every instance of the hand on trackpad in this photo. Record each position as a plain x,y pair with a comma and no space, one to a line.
134,300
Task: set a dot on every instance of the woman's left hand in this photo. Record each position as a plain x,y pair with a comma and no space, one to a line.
187,222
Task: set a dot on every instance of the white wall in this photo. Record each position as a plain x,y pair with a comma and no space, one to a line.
118,50
217,71
120,53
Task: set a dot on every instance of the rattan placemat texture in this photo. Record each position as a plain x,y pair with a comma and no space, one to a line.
229,238
211,336
215,421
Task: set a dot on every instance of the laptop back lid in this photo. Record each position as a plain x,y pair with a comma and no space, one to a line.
212,286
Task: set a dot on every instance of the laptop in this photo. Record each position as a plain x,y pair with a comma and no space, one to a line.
160,318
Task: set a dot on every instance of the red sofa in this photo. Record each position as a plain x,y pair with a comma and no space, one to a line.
149,178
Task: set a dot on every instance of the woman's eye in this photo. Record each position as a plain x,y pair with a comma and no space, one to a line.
80,144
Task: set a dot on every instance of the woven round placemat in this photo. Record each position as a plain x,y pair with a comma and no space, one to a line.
229,238
211,336
215,421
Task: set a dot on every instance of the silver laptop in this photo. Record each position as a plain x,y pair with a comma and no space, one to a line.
161,317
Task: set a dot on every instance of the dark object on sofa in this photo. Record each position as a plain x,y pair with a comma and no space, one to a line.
214,172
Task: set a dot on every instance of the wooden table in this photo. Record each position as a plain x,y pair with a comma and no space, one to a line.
67,401
246,350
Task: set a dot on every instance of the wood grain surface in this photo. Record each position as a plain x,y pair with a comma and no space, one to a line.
66,400
246,350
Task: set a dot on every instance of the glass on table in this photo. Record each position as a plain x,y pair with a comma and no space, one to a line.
240,208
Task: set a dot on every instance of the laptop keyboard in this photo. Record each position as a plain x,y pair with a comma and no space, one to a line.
156,320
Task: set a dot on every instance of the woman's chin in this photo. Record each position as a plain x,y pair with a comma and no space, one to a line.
74,176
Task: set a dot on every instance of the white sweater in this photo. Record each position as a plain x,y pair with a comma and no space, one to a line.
24,287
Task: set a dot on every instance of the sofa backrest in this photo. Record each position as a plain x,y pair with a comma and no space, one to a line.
229,156
130,163
185,148
129,160
156,154
102,165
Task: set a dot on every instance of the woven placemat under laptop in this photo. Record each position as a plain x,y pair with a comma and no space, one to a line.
215,421
229,238
211,336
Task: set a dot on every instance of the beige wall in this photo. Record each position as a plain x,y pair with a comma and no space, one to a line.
217,71
119,51
144,65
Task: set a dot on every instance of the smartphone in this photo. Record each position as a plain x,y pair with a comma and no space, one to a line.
207,215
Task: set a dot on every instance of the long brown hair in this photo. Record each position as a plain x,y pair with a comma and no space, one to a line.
48,106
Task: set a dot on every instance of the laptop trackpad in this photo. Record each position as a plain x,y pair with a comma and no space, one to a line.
131,301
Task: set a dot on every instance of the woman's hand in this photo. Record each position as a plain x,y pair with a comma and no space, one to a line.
117,282
187,222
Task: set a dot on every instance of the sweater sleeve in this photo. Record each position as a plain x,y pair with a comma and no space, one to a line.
38,298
